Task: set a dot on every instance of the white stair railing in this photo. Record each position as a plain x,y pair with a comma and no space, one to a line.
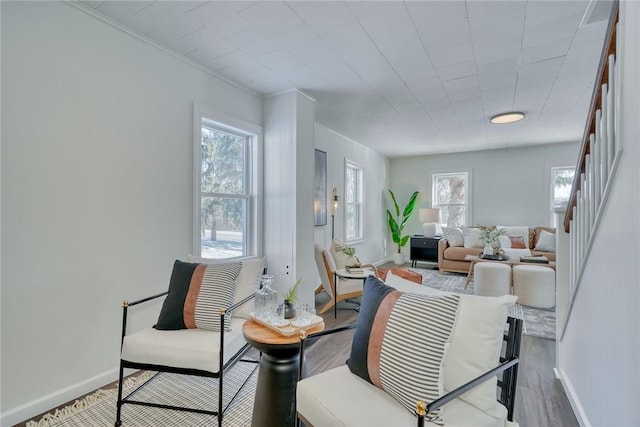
600,155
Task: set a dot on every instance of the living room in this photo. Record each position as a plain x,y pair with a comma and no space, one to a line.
97,203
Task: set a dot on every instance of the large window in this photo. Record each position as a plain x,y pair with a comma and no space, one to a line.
450,194
225,192
353,194
561,182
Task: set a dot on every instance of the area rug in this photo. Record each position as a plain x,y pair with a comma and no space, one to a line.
99,409
538,322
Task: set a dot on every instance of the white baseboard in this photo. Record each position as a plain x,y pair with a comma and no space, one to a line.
59,397
578,410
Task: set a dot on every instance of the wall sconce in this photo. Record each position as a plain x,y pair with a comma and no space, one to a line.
334,208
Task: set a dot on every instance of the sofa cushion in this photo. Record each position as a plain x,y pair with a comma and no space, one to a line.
339,257
459,254
339,398
551,256
515,253
453,235
546,242
504,242
535,235
515,242
475,345
472,237
246,283
522,231
399,343
197,293
186,348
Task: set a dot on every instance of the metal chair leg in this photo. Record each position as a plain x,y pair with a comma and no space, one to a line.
118,422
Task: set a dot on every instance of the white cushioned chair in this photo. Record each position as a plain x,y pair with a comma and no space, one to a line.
347,288
196,351
468,374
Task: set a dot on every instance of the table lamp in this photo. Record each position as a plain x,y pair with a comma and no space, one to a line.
429,217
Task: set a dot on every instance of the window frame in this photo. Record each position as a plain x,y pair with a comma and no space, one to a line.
252,194
550,190
350,164
468,206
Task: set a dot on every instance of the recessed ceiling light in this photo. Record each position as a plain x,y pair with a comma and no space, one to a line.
507,117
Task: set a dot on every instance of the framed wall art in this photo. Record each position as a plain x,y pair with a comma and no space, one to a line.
320,188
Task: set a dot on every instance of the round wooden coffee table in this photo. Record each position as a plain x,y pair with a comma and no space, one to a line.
275,401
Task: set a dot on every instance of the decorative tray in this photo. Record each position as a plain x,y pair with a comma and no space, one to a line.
495,257
535,259
291,328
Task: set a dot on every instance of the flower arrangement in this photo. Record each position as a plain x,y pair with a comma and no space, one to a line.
490,234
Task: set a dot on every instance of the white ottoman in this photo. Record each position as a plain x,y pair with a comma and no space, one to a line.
534,285
491,279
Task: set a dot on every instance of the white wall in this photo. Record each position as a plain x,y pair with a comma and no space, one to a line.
375,166
96,192
509,186
600,353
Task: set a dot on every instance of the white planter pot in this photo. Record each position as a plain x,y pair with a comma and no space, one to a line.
488,250
398,258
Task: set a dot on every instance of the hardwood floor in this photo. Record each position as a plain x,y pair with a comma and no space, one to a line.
540,399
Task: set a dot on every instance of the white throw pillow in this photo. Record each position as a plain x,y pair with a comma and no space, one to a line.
339,257
546,242
475,343
453,236
518,231
505,242
246,283
472,237
515,253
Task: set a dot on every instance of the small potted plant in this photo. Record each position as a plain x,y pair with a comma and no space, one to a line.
397,223
351,260
290,298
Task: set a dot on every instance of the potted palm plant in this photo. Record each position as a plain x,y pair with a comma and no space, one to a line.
397,223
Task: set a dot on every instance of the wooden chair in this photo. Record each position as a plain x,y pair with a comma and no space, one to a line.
347,288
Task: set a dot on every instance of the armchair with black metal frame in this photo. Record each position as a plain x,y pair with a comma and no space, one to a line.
312,400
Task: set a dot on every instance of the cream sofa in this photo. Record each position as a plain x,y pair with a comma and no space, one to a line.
453,258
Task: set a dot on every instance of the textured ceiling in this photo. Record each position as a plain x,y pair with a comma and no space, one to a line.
404,78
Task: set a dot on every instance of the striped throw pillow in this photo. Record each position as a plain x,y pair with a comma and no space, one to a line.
197,293
399,343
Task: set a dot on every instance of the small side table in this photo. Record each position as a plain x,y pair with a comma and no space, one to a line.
344,274
275,401
423,249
